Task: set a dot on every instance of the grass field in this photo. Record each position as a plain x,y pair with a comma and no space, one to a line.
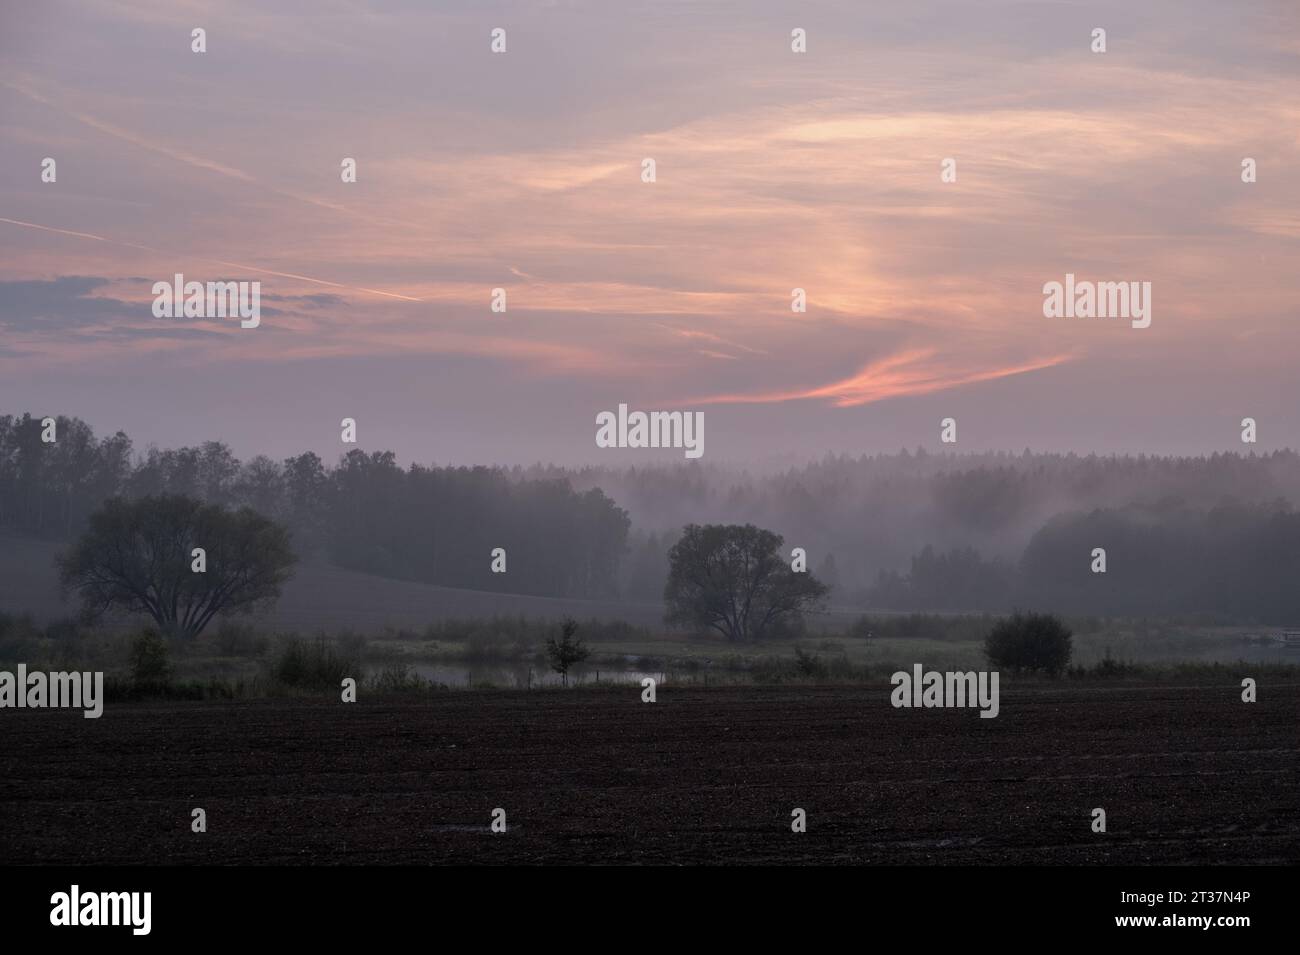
390,615
1186,774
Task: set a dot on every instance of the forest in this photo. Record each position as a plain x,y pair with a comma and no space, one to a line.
1215,536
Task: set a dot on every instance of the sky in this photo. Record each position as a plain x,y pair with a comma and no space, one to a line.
774,170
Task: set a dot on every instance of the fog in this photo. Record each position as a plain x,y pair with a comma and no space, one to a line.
1216,536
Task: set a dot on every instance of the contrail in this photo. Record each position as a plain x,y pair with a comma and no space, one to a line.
200,162
46,228
202,258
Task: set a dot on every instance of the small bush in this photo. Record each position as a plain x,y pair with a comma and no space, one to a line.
568,650
809,665
1030,642
150,666
312,666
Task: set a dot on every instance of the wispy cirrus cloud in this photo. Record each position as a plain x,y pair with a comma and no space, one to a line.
919,371
523,171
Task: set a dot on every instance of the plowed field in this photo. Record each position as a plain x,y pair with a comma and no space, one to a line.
1186,774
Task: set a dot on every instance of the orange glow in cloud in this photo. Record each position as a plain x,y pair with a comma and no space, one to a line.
912,372
832,187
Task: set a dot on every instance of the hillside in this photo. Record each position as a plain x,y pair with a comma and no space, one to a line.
320,596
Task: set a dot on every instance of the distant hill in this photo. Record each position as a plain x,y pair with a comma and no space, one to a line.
320,596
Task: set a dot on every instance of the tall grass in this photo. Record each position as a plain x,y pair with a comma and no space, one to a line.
313,665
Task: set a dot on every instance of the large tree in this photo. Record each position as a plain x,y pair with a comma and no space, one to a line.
138,556
733,580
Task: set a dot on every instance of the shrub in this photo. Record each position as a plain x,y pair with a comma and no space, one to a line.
312,666
1033,642
566,651
149,663
809,665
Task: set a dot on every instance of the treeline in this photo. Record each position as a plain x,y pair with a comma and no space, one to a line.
1215,535
436,525
1232,563
960,579
440,525
877,513
49,489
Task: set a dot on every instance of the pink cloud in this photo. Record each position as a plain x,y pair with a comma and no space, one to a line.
911,372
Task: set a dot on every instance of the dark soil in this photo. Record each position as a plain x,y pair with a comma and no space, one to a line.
1186,774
